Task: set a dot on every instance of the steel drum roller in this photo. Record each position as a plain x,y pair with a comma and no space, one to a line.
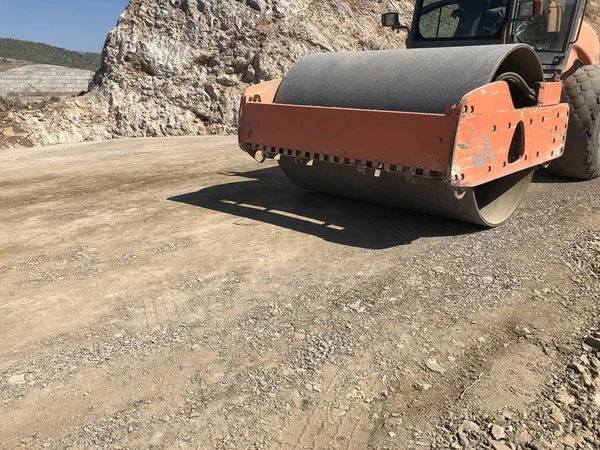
413,80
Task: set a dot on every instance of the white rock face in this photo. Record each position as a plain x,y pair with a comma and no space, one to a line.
178,67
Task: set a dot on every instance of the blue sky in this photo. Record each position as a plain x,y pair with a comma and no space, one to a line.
80,25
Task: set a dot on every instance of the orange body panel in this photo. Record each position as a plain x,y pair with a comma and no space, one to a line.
264,92
350,135
345,136
467,146
586,49
486,129
549,94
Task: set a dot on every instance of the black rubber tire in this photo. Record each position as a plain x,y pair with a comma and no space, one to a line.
581,160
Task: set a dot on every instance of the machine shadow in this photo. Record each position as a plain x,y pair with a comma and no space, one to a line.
544,177
267,196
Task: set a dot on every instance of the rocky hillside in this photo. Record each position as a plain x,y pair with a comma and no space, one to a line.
593,14
7,64
178,67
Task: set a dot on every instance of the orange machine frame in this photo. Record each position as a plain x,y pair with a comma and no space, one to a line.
586,48
472,143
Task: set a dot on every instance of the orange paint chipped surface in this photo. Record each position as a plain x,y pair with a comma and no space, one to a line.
493,139
481,139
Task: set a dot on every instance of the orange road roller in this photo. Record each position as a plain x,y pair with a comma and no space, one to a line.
455,125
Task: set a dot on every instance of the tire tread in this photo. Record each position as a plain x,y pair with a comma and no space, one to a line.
581,159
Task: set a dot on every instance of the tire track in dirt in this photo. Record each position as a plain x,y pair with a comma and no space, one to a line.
218,328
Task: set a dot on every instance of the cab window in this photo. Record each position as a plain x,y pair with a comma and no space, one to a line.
439,22
462,19
549,32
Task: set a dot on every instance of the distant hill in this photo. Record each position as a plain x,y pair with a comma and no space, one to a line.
47,54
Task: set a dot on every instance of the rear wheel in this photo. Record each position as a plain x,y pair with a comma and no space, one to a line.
581,160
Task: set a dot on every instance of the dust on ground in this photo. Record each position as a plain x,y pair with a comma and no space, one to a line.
176,293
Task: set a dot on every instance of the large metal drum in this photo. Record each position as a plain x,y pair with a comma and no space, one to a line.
414,80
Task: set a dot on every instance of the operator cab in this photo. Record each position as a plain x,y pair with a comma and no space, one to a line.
549,26
462,19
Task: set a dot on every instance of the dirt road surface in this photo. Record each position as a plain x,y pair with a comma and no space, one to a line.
176,294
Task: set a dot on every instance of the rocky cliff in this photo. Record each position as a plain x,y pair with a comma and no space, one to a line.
178,67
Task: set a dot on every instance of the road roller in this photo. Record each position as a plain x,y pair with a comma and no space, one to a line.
485,93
